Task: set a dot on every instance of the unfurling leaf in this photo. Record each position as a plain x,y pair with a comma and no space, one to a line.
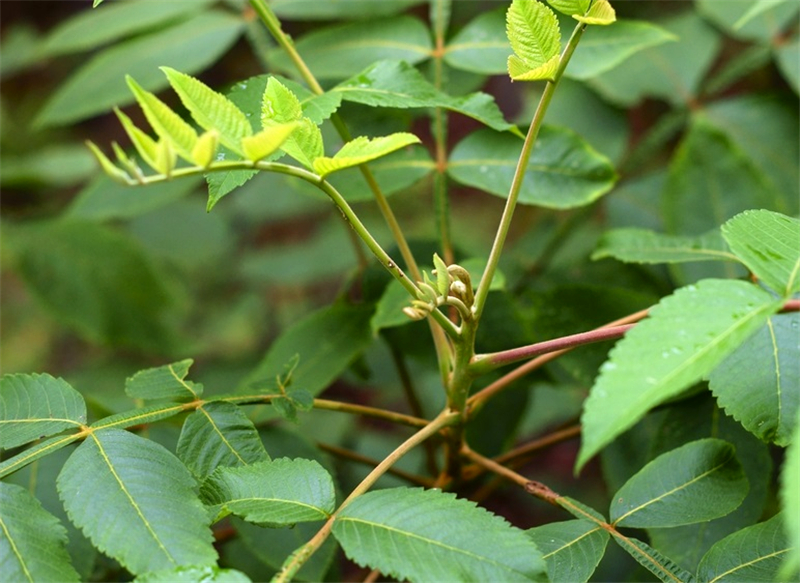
205,148
107,165
570,7
279,107
533,32
165,157
267,141
144,144
442,280
211,110
361,150
601,13
166,123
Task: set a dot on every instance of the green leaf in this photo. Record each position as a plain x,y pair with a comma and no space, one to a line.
142,415
788,60
164,382
144,144
755,20
279,104
211,110
89,29
278,492
429,525
344,49
571,549
600,13
481,46
351,9
218,434
756,9
33,453
398,84
100,84
564,171
790,497
769,245
96,280
756,383
327,341
533,32
570,7
32,541
193,575
605,47
267,141
48,164
103,199
665,569
362,150
158,521
33,406
643,246
683,339
751,555
166,123
696,482
222,183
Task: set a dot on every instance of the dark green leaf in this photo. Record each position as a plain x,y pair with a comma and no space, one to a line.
189,46
279,492
32,541
753,21
158,521
450,539
163,382
327,341
684,338
756,384
789,63
33,453
570,549
342,50
752,555
481,46
662,567
790,497
218,434
194,575
33,406
642,246
49,165
564,171
769,244
697,482
350,9
96,280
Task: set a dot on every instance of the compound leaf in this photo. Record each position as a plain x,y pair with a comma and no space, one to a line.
32,541
363,149
564,170
643,246
218,434
33,406
757,383
533,32
571,549
752,555
684,338
768,243
450,539
158,520
164,382
696,482
211,110
277,492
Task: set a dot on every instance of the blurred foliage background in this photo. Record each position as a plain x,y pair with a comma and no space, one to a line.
100,280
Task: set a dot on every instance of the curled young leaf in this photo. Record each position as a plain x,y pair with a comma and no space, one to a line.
267,141
362,150
533,32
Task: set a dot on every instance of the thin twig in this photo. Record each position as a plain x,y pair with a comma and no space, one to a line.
366,460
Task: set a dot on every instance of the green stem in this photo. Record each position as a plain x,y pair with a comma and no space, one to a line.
519,174
298,558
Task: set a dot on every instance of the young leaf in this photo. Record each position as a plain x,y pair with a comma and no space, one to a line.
279,104
166,158
144,144
363,149
571,549
193,575
33,406
601,12
756,384
450,539
564,170
279,492
166,123
697,482
211,110
218,434
164,382
662,567
267,141
204,149
442,279
532,29
32,541
643,246
751,555
769,244
327,341
570,7
108,166
305,143
684,338
158,521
